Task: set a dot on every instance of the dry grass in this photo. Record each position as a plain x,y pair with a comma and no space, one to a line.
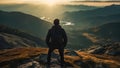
72,59
112,61
20,53
24,53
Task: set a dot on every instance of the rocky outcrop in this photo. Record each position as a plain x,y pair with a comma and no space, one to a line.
36,58
12,38
109,49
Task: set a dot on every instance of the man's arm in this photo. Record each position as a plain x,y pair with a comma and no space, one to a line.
65,37
48,38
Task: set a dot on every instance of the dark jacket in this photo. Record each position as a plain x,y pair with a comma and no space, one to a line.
60,41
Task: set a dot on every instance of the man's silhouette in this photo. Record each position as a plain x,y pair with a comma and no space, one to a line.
56,39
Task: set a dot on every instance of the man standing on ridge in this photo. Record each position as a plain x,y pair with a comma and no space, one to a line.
56,39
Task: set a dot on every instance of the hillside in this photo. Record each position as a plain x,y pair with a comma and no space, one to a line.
88,19
12,38
20,50
36,57
96,35
25,22
109,31
94,17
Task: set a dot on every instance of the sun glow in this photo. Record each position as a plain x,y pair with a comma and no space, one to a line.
52,2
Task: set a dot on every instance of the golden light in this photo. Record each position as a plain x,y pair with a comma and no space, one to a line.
52,2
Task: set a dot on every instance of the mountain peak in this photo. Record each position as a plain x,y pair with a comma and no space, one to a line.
113,5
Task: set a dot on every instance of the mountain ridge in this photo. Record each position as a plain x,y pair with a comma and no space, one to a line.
91,17
12,38
24,22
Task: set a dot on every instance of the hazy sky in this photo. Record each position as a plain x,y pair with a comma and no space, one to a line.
95,0
53,2
19,1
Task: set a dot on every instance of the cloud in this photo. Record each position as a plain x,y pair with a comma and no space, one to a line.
25,1
12,1
31,1
94,0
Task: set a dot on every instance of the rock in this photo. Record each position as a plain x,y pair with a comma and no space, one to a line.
53,55
98,50
79,62
32,64
89,64
101,65
43,58
71,53
113,52
68,64
4,44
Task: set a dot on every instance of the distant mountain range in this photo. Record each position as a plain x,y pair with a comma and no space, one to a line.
41,10
96,35
78,38
109,31
11,38
25,22
22,34
94,17
85,20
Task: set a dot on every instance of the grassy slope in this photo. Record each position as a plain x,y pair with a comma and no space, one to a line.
24,53
20,53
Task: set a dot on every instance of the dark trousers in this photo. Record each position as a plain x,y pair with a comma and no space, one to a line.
61,52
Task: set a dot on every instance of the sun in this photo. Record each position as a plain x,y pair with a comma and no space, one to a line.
52,2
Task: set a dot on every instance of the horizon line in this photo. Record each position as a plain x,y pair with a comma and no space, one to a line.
94,1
